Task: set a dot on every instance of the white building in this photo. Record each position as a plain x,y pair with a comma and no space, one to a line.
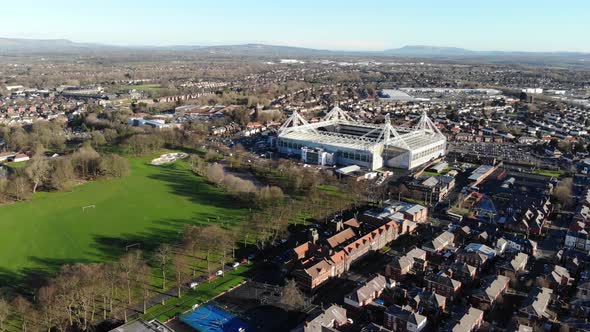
367,145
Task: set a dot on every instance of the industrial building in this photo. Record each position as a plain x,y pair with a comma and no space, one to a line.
339,139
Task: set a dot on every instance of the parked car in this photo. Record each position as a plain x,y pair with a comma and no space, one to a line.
193,285
219,273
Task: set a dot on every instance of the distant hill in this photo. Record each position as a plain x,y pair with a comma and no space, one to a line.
47,45
68,46
251,49
64,46
424,50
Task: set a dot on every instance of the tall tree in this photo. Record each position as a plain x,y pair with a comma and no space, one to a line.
162,256
62,176
179,265
564,192
23,308
144,274
292,297
191,243
38,170
209,239
129,265
19,187
4,312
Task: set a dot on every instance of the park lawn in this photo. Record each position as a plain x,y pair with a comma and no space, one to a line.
459,211
201,294
143,87
414,201
19,164
549,173
333,191
146,208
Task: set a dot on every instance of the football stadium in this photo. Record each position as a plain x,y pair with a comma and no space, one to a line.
340,140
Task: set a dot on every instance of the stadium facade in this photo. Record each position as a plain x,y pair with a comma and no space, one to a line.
339,139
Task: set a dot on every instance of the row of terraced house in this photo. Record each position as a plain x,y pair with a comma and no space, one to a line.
320,260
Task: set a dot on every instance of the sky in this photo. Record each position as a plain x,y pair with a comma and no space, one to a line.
503,25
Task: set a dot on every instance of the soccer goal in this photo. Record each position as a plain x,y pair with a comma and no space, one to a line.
88,207
132,246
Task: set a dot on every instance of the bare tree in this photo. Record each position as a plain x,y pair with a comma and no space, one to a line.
86,161
19,188
62,175
191,243
564,191
129,264
38,170
209,240
50,315
215,173
292,297
23,308
143,279
179,265
225,242
114,165
162,256
4,312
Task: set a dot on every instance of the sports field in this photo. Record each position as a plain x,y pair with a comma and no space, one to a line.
148,207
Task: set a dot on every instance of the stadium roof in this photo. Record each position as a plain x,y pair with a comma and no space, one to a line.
376,137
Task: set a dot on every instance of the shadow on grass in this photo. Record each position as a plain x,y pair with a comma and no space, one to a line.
109,248
27,281
183,183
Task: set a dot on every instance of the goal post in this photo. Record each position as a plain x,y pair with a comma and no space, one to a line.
88,207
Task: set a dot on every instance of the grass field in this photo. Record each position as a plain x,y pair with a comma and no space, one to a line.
20,164
549,173
149,207
144,87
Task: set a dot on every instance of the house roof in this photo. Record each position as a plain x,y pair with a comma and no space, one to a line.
319,267
431,297
493,289
326,319
469,320
407,260
537,302
481,248
519,261
558,273
406,314
374,328
302,250
341,237
443,279
352,222
444,239
367,291
463,267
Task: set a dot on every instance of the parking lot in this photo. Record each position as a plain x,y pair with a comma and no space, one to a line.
505,152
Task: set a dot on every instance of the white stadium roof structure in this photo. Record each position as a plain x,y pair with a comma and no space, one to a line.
337,130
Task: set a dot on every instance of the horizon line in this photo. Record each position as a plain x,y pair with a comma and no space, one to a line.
270,43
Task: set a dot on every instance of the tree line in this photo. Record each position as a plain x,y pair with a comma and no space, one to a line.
60,173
